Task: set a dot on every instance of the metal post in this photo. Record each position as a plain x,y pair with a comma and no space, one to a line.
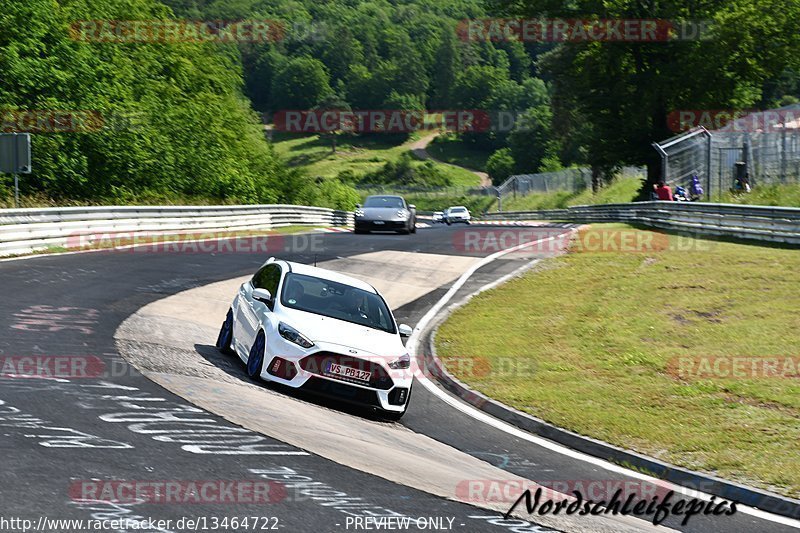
708,167
16,177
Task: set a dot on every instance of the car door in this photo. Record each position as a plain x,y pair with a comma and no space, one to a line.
252,311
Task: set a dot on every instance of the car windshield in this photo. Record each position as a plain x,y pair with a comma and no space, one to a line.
336,300
458,210
384,201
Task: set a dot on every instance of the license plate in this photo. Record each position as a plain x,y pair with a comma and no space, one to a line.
349,372
378,222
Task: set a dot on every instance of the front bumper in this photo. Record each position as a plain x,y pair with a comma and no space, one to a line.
387,389
381,225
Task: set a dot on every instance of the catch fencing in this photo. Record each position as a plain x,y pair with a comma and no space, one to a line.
763,146
25,231
570,180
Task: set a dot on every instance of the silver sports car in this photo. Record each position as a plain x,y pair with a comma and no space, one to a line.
385,213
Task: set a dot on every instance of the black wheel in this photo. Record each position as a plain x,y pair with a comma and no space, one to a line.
225,337
255,359
360,231
414,226
448,222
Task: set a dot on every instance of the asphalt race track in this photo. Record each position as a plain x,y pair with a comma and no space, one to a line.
63,438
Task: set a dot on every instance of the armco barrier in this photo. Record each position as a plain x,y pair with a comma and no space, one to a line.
30,230
756,222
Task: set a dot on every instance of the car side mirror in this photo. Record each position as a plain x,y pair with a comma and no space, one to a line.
405,330
262,295
358,205
412,206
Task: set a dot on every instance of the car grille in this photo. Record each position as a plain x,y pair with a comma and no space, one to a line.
387,224
318,363
341,391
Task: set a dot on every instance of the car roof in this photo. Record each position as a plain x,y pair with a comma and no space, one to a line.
458,207
385,196
329,275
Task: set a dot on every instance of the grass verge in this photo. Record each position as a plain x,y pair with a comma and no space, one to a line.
787,195
620,190
590,342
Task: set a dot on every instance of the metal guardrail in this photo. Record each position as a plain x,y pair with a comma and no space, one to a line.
29,230
755,222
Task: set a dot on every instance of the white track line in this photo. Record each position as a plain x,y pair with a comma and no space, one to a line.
544,443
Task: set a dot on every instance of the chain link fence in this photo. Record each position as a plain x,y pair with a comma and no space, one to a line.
571,179
762,147
424,192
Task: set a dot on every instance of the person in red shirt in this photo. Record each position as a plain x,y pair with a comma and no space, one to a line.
663,192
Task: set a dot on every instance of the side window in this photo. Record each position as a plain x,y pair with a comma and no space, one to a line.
268,278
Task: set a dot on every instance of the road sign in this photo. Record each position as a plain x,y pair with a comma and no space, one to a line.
15,157
15,153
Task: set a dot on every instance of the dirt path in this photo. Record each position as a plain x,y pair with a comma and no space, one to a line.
420,150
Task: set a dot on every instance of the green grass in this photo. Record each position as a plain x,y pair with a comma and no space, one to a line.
453,150
619,191
775,195
362,154
587,339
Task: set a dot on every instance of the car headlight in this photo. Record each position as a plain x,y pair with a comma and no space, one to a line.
294,336
402,213
403,362
359,213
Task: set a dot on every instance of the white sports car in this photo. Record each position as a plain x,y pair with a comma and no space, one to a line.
315,329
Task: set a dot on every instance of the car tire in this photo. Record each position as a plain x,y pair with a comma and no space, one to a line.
360,231
225,337
255,359
414,226
448,222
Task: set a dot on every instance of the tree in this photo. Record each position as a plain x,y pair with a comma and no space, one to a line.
301,83
500,166
333,103
531,140
445,68
174,122
623,91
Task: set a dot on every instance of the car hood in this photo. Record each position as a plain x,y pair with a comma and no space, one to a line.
332,331
380,213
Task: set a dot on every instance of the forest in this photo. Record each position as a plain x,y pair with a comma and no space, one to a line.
183,120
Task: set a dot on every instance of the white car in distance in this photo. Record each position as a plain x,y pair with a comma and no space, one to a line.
321,331
457,214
